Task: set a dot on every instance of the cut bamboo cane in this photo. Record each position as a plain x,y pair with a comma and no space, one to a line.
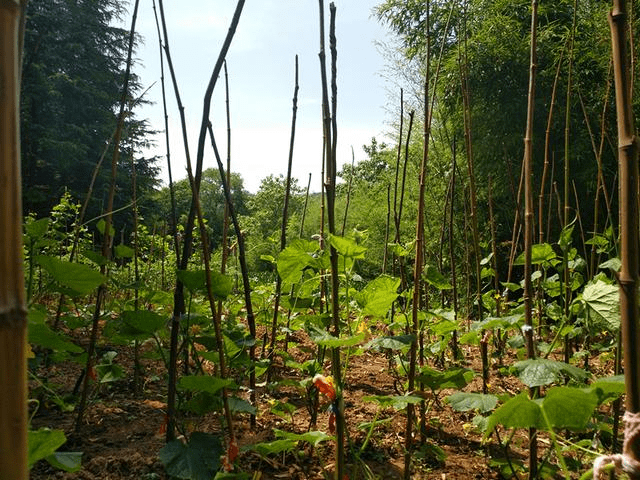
13,314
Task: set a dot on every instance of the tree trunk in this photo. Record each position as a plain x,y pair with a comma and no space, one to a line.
13,312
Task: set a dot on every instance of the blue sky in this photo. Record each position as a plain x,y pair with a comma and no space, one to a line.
261,75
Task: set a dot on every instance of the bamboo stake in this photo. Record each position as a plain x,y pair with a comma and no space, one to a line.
417,271
528,227
285,214
13,309
629,251
330,142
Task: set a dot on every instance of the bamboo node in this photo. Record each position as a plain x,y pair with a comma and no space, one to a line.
13,318
625,461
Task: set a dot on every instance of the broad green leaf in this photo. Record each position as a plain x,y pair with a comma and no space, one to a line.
603,303
37,229
435,278
398,342
568,407
612,264
202,383
240,405
540,253
565,237
196,281
140,323
67,461
608,388
199,459
463,402
275,447
95,257
398,402
517,412
378,296
452,378
492,323
43,443
541,371
324,339
314,437
297,256
347,247
124,251
101,226
40,334
80,278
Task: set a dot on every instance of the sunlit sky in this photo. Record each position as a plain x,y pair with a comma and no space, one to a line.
261,81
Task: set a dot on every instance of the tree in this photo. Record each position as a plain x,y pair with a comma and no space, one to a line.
211,199
74,63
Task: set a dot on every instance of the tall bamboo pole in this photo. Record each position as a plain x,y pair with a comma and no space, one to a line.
13,310
629,251
528,225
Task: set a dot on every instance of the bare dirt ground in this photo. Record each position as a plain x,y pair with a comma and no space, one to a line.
122,433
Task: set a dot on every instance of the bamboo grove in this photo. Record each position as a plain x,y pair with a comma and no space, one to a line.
484,256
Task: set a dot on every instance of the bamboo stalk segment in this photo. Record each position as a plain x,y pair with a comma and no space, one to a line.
13,315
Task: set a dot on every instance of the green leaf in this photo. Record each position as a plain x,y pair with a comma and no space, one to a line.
541,371
568,407
452,378
240,405
517,412
201,383
37,229
101,227
540,253
80,278
197,460
314,437
398,342
378,296
43,443
275,447
196,282
436,279
141,323
67,461
297,256
398,402
322,338
123,251
463,402
608,388
347,247
40,334
95,257
603,303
